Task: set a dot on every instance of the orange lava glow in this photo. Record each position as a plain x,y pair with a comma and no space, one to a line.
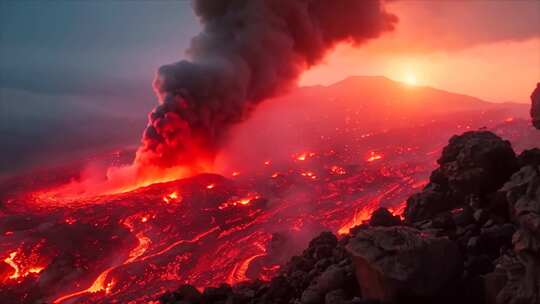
19,271
239,202
172,197
303,156
10,262
103,282
373,156
117,180
338,170
238,273
364,212
309,174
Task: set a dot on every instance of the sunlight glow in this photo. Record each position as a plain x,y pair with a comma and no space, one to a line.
411,79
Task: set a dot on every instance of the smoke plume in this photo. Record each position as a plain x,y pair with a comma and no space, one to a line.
248,51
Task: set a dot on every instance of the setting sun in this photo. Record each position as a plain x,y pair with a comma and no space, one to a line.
411,79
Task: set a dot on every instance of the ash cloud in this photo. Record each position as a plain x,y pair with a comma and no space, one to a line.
247,52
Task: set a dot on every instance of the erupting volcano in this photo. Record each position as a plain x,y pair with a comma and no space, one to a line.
238,168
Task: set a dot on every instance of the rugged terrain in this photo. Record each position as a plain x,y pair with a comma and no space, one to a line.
470,236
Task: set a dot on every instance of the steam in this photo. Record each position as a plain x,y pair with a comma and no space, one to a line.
248,51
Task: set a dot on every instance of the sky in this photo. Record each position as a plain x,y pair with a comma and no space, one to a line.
83,69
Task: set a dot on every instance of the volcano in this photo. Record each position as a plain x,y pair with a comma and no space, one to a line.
366,142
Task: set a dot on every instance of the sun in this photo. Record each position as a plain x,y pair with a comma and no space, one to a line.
411,79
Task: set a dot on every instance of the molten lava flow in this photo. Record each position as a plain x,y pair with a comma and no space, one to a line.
9,260
103,282
239,202
24,265
364,213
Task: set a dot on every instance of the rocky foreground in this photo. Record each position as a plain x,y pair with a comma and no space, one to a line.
471,236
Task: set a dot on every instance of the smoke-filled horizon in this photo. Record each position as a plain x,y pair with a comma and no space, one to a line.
248,51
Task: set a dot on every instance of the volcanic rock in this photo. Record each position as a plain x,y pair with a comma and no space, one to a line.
477,162
398,263
523,269
184,294
383,217
472,165
329,280
535,106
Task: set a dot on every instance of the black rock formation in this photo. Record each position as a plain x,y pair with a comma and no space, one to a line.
535,107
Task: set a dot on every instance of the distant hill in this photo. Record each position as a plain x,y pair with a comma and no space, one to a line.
360,106
390,99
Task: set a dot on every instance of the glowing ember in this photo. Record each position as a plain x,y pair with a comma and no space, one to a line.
172,197
373,156
309,175
303,156
239,202
338,170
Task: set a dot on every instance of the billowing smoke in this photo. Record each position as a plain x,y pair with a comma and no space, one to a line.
248,51
535,106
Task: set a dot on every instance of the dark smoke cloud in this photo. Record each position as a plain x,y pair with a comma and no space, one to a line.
535,106
249,50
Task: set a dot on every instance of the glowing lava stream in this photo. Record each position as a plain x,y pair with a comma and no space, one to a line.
238,274
12,263
18,273
99,284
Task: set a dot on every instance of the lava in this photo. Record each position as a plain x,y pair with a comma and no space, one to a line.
303,156
373,156
174,197
208,229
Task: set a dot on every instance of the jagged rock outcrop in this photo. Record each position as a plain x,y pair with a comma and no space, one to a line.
535,106
400,263
523,266
471,166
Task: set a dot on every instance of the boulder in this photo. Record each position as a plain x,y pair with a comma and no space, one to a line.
331,279
394,264
472,165
383,217
477,162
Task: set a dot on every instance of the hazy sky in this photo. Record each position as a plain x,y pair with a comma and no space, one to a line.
69,68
